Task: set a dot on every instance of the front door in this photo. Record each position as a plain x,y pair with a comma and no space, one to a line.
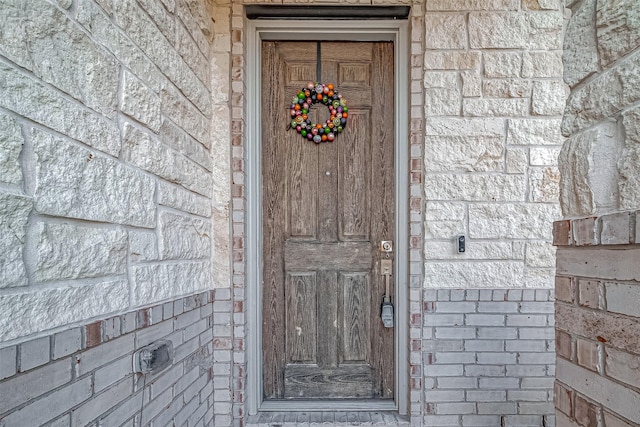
326,208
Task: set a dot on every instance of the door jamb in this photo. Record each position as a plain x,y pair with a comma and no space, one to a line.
352,30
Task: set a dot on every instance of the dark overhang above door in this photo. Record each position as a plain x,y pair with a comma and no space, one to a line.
255,11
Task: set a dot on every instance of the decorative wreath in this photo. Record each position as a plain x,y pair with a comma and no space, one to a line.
314,93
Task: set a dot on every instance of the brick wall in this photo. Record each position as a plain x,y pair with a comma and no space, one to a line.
488,357
83,375
598,320
598,246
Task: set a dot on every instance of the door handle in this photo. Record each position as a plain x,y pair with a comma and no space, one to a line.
386,311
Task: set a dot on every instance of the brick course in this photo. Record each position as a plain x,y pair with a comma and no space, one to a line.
97,384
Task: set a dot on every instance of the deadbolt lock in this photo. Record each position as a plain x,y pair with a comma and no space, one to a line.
386,246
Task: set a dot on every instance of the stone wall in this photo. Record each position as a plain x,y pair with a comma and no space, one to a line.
107,174
494,97
598,277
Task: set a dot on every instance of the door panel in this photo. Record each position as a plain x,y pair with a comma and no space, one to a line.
325,209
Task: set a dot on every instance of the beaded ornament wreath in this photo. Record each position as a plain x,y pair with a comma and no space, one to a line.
315,93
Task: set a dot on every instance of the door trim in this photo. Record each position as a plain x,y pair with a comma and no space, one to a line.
352,30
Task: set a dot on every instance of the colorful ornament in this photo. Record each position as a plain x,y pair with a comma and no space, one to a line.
314,93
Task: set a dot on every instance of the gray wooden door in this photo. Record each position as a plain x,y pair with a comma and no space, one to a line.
325,209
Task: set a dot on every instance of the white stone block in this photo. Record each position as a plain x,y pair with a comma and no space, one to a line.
14,212
618,30
140,102
445,31
629,162
141,29
191,54
74,182
65,251
185,115
435,60
534,132
158,282
512,220
517,160
443,220
39,37
475,250
540,254
545,30
11,142
471,83
484,107
502,64
491,30
542,64
30,98
39,310
183,237
544,185
464,153
178,139
475,187
549,98
145,151
506,88
588,170
143,246
178,198
544,156
479,274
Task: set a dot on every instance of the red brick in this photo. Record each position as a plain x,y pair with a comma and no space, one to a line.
93,334
589,293
565,289
562,233
563,344
585,231
563,399
587,354
586,413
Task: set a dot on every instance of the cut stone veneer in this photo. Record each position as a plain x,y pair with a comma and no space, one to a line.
598,244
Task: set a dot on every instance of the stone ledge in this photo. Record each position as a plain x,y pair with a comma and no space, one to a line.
620,228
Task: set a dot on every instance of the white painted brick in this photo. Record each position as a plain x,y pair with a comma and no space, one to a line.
30,384
444,396
496,358
455,307
536,307
524,420
152,333
460,333
103,354
537,358
486,396
526,371
623,366
623,298
502,408
526,345
455,408
527,395
101,403
124,411
457,383
484,320
443,319
454,357
42,410
8,361
187,379
537,383
112,373
498,333
484,371
443,370
499,383
66,342
497,307
480,420
34,353
535,408
484,345
536,333
526,320
442,420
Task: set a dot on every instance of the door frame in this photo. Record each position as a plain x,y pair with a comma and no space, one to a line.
351,30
